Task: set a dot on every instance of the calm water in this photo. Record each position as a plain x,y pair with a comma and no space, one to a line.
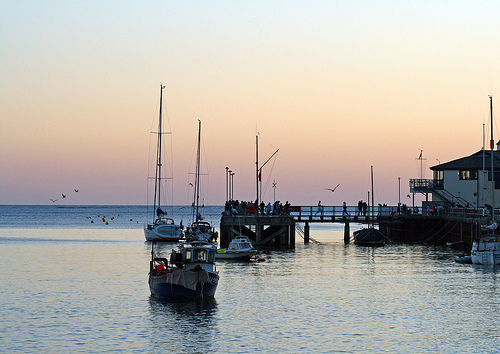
72,286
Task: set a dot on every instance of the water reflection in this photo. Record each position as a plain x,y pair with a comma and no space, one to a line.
182,326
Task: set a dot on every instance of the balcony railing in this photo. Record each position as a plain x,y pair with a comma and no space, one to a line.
426,184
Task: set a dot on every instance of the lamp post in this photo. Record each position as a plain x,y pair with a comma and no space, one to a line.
399,194
232,185
229,186
227,194
399,182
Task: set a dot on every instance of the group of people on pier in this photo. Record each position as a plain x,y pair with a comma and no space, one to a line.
235,207
362,208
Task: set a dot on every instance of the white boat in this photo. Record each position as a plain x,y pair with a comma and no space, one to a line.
486,249
240,248
189,274
199,230
161,227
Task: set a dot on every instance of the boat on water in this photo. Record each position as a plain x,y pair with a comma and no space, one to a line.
486,249
189,274
160,227
369,236
240,248
199,230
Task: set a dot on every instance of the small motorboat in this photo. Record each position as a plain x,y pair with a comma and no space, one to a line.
240,248
189,274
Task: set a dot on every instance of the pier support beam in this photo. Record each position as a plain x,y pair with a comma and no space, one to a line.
306,233
347,233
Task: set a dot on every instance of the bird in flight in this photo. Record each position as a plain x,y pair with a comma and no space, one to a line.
333,189
54,200
63,195
76,190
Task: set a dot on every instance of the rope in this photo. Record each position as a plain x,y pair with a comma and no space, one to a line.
299,229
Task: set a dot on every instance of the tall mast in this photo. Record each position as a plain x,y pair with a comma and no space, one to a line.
157,196
257,166
373,223
196,201
492,145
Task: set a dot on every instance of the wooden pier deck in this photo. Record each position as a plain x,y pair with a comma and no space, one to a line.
406,226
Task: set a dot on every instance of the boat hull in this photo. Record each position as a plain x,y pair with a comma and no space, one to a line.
162,233
234,255
369,237
188,285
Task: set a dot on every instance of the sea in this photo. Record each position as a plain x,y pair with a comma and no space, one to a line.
74,280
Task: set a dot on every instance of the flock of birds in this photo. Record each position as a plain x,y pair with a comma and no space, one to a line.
63,196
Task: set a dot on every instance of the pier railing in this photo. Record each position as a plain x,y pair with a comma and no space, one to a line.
341,214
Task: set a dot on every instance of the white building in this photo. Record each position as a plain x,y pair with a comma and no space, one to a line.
464,182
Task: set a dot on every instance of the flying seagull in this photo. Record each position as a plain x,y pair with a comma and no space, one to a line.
54,200
333,190
76,190
63,195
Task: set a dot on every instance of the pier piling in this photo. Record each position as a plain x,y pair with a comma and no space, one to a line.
306,233
347,233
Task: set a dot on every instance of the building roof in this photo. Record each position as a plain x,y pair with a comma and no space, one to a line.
472,162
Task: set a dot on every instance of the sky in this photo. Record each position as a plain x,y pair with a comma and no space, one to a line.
336,86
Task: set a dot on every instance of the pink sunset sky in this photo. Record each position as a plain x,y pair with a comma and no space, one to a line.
336,86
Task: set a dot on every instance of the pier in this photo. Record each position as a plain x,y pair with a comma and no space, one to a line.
454,226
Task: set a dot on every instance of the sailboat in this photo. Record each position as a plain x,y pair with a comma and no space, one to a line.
161,227
486,249
199,230
369,236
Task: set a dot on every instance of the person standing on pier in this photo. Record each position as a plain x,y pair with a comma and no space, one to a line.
344,210
320,208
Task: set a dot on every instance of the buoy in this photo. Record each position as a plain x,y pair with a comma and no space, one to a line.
107,223
130,219
261,260
92,221
113,218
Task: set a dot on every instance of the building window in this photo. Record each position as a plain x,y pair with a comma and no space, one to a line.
438,175
467,175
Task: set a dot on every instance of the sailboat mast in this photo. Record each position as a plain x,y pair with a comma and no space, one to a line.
196,201
492,146
373,223
157,196
257,166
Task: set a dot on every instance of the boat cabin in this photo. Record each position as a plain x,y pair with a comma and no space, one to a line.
190,256
240,243
164,221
